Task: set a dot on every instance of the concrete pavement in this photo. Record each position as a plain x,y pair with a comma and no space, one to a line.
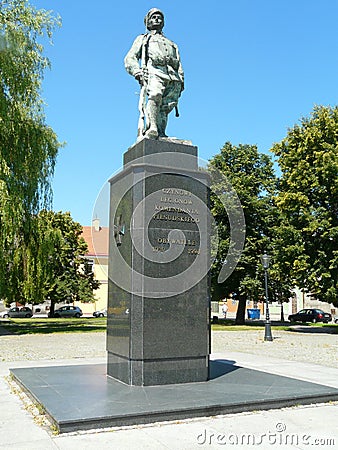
287,428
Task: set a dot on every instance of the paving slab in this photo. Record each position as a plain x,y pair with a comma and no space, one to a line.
80,397
17,427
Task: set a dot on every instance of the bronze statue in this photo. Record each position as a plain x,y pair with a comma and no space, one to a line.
155,63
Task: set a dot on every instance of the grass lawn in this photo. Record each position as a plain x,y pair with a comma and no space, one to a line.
229,325
49,325
87,325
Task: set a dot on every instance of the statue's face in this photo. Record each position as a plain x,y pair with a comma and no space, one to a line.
155,22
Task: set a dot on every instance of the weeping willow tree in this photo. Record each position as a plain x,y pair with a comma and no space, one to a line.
28,146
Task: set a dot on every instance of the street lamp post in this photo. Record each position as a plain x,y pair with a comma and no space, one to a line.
265,263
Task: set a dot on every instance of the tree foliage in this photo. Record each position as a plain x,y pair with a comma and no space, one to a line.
28,146
252,176
56,266
65,273
308,200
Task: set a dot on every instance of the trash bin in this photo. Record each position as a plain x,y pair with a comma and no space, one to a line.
254,314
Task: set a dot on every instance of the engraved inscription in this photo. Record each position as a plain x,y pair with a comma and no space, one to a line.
176,200
176,205
176,209
176,191
176,241
180,204
163,243
174,218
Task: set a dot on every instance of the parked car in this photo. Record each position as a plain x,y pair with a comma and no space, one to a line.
335,319
67,311
101,313
311,315
16,312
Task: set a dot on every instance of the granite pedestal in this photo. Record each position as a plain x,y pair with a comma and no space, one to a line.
158,294
83,397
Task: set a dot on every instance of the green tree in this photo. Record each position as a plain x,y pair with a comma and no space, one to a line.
28,146
252,176
66,274
308,201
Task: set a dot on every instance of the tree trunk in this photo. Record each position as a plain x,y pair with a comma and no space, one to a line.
240,315
52,308
282,312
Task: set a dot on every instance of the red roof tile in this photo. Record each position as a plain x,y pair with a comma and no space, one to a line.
97,241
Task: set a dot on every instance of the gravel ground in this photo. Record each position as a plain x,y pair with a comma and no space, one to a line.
315,347
36,347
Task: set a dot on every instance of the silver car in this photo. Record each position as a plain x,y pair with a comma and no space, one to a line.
16,312
68,311
101,313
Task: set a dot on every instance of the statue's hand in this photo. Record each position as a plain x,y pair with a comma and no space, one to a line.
142,77
139,78
145,75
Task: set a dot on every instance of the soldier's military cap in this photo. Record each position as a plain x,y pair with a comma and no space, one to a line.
150,13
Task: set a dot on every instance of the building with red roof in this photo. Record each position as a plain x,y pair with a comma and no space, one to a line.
97,239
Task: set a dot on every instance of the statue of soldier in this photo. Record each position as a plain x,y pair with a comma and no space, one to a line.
155,63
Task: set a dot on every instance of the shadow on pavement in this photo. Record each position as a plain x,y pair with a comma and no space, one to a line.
4,332
314,330
220,367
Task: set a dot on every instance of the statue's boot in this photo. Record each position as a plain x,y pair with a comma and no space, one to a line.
162,124
152,112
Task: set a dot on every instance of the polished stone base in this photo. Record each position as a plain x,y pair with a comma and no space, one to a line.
157,372
83,397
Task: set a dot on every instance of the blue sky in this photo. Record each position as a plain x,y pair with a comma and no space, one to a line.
253,69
